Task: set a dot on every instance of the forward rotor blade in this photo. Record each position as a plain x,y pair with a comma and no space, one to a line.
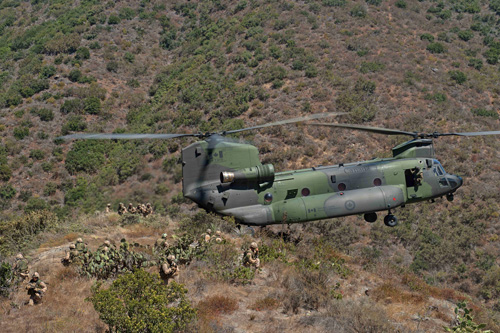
288,121
474,133
378,130
124,136
388,131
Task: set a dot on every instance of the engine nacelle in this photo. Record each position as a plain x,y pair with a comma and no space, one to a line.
258,174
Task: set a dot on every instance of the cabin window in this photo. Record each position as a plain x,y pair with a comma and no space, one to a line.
443,182
342,187
290,194
377,182
333,178
305,192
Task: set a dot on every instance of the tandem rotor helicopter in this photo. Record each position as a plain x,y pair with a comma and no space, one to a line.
228,178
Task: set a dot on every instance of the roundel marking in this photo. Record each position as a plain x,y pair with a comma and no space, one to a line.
350,205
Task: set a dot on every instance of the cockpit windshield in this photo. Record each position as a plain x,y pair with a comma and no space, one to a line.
438,168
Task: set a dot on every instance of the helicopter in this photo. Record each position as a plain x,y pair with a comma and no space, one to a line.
227,177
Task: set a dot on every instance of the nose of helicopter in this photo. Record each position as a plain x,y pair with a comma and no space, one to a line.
455,181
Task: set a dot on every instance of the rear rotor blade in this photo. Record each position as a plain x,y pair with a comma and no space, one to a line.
288,121
378,130
89,136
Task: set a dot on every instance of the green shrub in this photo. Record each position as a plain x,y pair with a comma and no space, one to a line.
367,67
82,53
436,47
465,321
7,192
95,46
401,4
476,63
438,97
427,37
466,35
127,13
458,76
37,154
74,75
86,156
21,132
133,83
73,124
485,113
141,302
72,106
129,57
44,114
365,85
20,232
6,278
334,3
5,172
112,66
47,71
492,55
50,189
113,19
92,105
374,2
358,11
62,44
311,71
275,51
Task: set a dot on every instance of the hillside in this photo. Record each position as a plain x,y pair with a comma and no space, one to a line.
199,66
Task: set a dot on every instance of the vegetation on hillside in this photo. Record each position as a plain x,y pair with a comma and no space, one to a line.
210,65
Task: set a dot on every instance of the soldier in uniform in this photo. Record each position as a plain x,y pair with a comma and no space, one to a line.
71,256
143,210
36,289
207,236
80,245
108,208
149,209
169,270
418,176
121,209
218,237
131,208
21,267
161,243
139,209
251,256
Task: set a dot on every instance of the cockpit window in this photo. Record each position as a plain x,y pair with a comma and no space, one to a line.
438,168
443,182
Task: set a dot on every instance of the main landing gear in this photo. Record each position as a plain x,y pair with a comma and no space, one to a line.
389,220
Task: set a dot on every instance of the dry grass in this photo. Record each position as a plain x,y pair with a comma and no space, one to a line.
139,230
265,304
214,306
63,309
391,293
60,241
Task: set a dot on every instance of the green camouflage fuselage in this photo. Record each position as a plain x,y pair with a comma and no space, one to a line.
228,178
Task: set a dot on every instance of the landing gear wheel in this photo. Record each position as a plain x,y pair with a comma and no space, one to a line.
450,197
370,217
390,220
